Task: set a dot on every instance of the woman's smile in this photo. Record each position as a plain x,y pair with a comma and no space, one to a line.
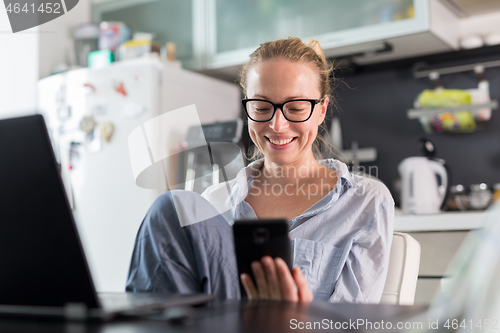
277,142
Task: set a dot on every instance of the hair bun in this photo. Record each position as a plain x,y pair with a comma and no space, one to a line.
314,44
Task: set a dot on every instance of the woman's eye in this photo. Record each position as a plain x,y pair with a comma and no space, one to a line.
296,110
297,107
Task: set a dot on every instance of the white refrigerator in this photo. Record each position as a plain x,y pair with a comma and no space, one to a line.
83,109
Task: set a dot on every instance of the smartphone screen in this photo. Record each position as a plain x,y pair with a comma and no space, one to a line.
254,239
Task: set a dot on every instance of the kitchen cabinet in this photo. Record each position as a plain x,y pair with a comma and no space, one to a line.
341,27
218,34
180,22
440,236
437,250
334,23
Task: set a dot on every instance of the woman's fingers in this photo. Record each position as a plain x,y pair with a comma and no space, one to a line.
304,293
273,283
260,279
249,286
288,288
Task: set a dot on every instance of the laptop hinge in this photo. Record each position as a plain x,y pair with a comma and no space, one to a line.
75,311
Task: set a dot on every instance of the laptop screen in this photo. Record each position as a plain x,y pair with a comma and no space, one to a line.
41,257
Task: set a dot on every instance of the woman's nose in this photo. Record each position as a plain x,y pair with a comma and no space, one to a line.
279,122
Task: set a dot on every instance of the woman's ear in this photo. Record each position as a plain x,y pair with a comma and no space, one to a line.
324,108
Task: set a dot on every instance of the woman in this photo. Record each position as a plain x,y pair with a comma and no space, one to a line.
340,224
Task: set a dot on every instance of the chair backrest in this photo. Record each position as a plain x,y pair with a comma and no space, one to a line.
402,275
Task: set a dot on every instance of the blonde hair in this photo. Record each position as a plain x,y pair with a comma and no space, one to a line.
293,49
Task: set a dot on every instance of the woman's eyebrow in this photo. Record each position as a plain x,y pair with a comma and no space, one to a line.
286,99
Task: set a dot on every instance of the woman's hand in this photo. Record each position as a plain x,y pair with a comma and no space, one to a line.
274,282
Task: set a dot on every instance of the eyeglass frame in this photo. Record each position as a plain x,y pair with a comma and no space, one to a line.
313,102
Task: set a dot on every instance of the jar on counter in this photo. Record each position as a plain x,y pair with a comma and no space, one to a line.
458,199
480,196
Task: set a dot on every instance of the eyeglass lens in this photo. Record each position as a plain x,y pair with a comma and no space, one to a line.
293,110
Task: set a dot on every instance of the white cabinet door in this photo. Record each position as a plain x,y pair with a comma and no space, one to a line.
239,26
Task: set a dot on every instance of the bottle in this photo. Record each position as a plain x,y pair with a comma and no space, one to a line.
496,192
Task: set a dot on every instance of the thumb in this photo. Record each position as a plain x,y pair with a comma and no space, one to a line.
305,294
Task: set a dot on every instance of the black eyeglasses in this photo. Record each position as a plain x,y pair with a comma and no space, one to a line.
296,110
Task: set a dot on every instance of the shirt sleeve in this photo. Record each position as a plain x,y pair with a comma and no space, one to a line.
363,276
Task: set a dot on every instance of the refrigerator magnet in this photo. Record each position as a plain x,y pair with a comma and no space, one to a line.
106,130
87,124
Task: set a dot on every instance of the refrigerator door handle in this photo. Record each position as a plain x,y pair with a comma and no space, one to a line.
190,173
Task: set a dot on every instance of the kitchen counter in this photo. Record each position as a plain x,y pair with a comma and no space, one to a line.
447,221
440,236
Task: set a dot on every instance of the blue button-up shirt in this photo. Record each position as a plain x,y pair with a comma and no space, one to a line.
341,243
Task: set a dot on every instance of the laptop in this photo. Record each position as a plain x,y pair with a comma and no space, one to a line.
43,269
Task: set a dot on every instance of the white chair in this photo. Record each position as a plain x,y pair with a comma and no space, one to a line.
402,275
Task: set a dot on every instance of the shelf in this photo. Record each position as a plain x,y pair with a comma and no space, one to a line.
446,221
417,73
362,155
416,113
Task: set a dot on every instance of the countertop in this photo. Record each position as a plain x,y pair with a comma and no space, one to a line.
446,221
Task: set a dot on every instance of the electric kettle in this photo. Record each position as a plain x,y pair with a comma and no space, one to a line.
420,191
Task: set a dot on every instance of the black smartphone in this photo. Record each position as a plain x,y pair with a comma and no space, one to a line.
254,239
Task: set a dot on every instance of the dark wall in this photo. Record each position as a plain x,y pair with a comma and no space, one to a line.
374,101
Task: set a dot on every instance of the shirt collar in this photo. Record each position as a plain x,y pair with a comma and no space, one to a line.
342,171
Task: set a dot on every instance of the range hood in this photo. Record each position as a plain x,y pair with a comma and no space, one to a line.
441,34
468,8
450,21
